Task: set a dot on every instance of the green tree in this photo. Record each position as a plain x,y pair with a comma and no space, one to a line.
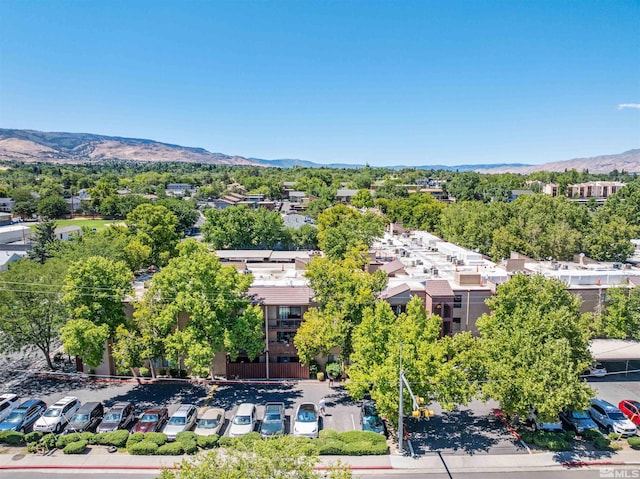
536,346
446,369
155,226
342,227
305,237
85,339
343,289
463,186
44,241
185,211
363,199
52,207
218,315
283,457
610,238
622,315
241,227
31,310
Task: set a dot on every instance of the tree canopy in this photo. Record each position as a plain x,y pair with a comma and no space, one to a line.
535,343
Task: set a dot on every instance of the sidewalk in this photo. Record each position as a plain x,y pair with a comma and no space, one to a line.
99,459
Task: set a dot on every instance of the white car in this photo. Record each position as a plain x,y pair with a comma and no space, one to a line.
244,421
598,370
306,420
8,402
210,422
58,415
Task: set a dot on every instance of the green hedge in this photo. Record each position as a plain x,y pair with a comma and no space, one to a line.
634,442
225,441
12,438
352,443
135,438
207,442
77,447
171,449
186,436
554,441
158,437
114,438
64,439
34,436
599,440
142,448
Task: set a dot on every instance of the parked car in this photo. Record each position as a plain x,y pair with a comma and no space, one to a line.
306,420
598,370
611,419
631,409
86,418
8,402
56,417
244,420
539,425
182,420
22,418
210,422
153,420
119,416
370,420
578,421
273,421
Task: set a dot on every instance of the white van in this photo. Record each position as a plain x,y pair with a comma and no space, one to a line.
244,421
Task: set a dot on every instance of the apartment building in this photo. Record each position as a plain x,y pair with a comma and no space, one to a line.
582,192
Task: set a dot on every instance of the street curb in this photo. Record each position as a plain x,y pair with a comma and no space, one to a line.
158,468
599,463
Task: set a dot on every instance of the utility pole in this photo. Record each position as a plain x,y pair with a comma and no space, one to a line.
400,412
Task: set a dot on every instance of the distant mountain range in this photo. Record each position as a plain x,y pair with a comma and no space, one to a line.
39,146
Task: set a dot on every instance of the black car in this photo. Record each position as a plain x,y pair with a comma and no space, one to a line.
120,416
22,418
86,418
273,422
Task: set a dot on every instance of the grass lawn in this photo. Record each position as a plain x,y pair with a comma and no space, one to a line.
97,224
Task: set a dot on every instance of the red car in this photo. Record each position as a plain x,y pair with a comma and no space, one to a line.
631,409
153,420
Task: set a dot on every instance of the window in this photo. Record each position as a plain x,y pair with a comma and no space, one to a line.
289,312
456,325
285,337
457,301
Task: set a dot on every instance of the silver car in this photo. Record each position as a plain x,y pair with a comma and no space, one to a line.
182,420
611,419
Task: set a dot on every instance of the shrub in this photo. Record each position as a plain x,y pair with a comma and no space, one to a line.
333,370
142,448
634,442
48,441
331,447
358,436
12,438
170,449
33,447
76,447
225,441
135,438
186,436
64,439
527,436
190,447
352,443
602,443
162,372
114,438
320,376
207,442
90,437
158,437
144,372
329,434
34,436
614,436
550,440
591,434
313,369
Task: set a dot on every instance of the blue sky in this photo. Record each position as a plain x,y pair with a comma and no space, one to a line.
384,82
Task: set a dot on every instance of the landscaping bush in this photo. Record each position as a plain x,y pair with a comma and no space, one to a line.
33,447
144,372
599,440
225,441
527,436
158,437
190,447
352,443
142,448
12,438
90,437
135,438
591,434
114,438
634,442
34,436
331,447
48,441
329,434
333,370
360,436
614,436
186,436
550,440
170,449
320,376
64,439
207,442
77,447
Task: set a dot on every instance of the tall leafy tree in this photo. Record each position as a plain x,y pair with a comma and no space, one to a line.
218,316
155,226
536,346
342,227
31,310
622,316
343,289
446,369
52,207
242,227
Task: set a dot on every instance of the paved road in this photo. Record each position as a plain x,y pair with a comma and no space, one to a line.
567,474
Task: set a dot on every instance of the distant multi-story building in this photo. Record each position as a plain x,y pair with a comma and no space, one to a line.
582,192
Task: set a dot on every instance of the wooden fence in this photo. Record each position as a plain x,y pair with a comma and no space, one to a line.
259,371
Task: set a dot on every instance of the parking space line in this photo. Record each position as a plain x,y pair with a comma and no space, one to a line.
353,422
